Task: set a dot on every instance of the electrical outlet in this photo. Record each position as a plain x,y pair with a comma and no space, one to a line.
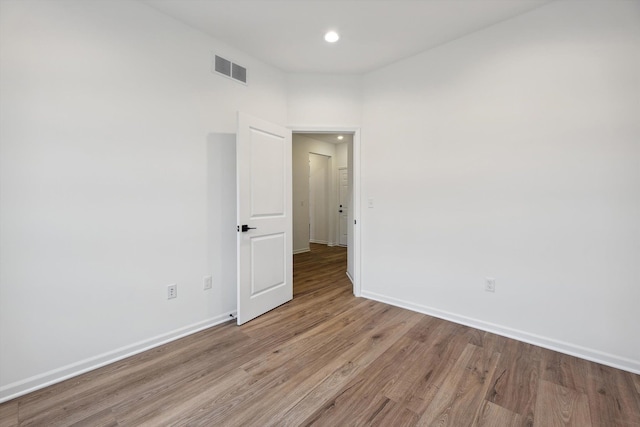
208,282
490,284
172,291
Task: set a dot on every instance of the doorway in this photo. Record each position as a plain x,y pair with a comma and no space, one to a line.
324,159
267,156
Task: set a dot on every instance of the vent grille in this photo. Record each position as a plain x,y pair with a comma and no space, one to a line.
223,66
230,69
239,73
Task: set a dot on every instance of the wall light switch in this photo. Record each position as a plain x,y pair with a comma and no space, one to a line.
370,203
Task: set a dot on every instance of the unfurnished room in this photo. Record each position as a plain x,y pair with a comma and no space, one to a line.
320,212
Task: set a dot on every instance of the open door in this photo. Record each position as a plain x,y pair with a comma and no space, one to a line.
265,260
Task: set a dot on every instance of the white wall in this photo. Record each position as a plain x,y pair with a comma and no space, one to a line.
324,100
342,155
115,182
513,153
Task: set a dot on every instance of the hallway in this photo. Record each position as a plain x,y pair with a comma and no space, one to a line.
323,267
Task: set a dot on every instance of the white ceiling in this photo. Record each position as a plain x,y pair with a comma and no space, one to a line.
288,34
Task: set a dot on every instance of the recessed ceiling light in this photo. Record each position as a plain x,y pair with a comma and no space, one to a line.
331,37
340,137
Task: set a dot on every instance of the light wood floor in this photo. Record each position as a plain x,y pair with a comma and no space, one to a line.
330,359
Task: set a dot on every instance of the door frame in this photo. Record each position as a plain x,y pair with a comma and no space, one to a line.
338,202
355,227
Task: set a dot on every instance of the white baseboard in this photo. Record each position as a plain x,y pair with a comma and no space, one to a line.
352,282
549,343
320,242
36,382
301,251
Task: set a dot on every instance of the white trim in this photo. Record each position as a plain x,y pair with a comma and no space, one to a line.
301,251
319,242
338,170
357,282
350,278
37,382
545,342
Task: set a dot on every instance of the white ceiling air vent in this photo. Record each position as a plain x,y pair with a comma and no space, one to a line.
229,69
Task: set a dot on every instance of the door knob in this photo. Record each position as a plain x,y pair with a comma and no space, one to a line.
246,228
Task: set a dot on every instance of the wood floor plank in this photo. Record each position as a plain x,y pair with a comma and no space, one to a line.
558,406
317,372
602,395
172,412
444,348
515,382
356,401
566,370
417,384
379,380
636,382
630,413
611,396
346,367
610,392
423,331
328,358
331,332
492,415
460,399
493,343
393,414
9,414
105,418
306,307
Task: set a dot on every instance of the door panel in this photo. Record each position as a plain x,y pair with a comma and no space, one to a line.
267,173
268,257
265,260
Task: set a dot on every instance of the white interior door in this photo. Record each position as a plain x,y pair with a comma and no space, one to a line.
265,260
318,204
343,209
